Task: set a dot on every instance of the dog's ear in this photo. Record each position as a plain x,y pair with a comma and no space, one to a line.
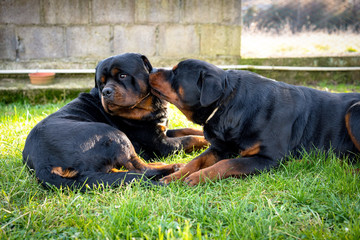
211,87
96,86
96,69
147,63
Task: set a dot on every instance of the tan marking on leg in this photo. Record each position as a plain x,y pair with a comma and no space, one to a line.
186,131
67,173
253,150
195,143
115,170
220,170
204,160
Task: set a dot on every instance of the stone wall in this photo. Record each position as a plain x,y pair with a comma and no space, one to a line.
78,33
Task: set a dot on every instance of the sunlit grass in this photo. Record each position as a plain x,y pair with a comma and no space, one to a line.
315,197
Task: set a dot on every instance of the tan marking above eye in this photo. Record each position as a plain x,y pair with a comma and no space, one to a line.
102,79
175,67
114,71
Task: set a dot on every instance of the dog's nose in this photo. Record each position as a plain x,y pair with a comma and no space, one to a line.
107,92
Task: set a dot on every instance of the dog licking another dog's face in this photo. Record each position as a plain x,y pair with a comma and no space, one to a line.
260,119
201,85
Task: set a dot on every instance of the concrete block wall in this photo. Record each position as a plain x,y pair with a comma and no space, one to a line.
78,33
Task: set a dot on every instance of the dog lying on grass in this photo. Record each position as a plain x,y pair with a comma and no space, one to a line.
91,138
260,119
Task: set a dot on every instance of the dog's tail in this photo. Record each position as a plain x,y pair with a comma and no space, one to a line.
72,179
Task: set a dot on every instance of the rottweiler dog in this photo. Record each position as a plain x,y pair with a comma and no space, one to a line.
92,137
257,119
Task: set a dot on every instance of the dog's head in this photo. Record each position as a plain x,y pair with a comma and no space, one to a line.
123,85
193,86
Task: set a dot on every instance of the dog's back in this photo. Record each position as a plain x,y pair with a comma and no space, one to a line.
289,118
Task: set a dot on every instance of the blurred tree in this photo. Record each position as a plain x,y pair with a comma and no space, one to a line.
306,14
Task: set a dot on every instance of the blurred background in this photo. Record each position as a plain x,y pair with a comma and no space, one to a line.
78,33
300,28
69,37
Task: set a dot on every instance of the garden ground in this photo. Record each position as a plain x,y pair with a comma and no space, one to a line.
317,196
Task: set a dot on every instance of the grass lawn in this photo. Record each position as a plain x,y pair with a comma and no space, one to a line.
315,197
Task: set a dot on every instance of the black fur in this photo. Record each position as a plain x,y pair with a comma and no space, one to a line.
260,118
82,142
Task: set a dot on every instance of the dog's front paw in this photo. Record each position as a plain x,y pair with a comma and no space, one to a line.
193,180
166,179
170,178
157,164
178,166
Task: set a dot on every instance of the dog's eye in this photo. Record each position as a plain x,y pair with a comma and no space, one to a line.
122,76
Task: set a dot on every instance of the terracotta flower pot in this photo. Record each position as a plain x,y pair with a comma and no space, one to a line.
41,78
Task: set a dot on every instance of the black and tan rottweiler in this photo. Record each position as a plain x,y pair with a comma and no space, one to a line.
260,119
91,138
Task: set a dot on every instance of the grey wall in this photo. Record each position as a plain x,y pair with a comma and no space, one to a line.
78,33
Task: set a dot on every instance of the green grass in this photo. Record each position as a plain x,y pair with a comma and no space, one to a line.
315,197
350,49
326,86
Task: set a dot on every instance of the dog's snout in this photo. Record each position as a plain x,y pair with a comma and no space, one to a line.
107,92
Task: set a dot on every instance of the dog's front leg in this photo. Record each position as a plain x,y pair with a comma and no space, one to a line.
191,143
152,169
204,160
184,132
236,167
